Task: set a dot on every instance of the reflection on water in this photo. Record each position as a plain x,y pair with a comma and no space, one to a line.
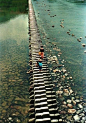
14,29
13,63
54,21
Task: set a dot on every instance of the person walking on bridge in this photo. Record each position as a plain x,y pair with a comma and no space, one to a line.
41,52
39,64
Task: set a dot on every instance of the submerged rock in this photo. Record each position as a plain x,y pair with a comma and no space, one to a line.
80,106
83,45
76,118
59,92
70,105
71,111
68,101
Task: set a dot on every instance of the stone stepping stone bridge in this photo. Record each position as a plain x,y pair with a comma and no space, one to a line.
43,103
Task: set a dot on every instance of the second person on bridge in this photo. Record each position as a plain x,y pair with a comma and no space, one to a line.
39,64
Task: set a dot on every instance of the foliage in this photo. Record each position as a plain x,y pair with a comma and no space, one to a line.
14,5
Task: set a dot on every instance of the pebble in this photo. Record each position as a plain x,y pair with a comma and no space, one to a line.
77,100
80,106
76,118
66,90
70,105
63,112
74,102
80,37
71,91
68,101
83,45
59,92
85,51
71,111
64,103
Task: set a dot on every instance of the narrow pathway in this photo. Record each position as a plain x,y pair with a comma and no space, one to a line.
43,103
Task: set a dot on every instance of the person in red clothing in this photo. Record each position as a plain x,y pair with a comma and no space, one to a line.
42,52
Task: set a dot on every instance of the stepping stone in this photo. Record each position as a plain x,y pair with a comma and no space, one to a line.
31,120
38,78
50,101
50,92
36,69
52,109
31,93
46,120
41,80
32,96
42,115
54,121
38,84
40,99
48,85
39,91
49,89
41,109
40,87
55,115
47,76
39,95
40,74
47,82
48,79
41,104
52,105
51,96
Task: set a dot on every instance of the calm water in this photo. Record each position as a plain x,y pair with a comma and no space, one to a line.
14,97
50,15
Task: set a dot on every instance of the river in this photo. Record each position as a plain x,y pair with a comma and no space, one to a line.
60,23
63,23
14,84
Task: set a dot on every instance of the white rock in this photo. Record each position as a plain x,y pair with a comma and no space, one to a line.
80,37
85,51
64,103
77,100
10,118
69,101
71,91
59,92
76,118
71,111
72,98
80,106
74,102
70,105
55,58
83,118
66,90
66,74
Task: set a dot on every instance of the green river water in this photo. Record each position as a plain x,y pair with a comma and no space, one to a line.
14,41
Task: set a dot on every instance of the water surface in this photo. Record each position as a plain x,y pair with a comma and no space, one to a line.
14,84
51,15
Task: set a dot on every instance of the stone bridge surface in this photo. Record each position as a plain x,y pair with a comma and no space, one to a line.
43,103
